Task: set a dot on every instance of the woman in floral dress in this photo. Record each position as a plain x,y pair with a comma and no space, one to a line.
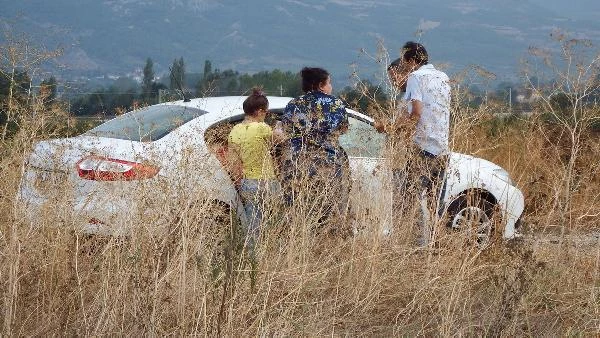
314,164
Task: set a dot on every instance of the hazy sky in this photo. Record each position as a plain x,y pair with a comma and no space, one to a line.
287,34
575,9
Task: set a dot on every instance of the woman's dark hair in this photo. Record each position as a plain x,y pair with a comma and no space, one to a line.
416,52
396,64
312,78
257,100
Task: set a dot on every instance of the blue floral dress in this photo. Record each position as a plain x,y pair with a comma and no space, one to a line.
313,123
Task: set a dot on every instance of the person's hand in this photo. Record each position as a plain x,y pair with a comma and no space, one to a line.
278,133
237,183
379,126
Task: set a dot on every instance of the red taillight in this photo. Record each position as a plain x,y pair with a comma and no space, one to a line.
100,168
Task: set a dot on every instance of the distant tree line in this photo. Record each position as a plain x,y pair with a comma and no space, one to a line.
126,93
17,96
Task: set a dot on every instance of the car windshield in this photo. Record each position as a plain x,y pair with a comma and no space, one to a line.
146,124
362,140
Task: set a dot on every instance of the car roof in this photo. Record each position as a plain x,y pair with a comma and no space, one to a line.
224,107
228,105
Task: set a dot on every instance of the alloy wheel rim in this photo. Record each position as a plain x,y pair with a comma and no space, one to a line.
477,222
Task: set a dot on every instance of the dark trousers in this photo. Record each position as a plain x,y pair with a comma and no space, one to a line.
314,181
422,172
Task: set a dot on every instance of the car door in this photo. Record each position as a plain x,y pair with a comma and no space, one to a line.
370,194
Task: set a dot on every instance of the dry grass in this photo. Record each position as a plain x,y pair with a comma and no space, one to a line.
197,279
194,276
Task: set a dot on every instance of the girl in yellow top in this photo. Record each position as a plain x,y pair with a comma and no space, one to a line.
250,160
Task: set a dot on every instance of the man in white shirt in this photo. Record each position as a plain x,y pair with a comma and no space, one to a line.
427,117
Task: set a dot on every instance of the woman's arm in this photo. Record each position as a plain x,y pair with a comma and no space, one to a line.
278,133
339,117
233,163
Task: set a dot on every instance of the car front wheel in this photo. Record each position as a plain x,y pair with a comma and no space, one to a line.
475,218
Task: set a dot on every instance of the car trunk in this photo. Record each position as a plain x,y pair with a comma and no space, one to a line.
51,180
51,170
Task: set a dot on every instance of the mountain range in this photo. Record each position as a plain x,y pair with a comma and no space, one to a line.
116,36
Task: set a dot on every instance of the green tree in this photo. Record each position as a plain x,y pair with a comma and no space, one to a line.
91,104
207,69
275,82
208,85
14,93
117,98
177,75
230,82
365,97
16,83
148,82
48,89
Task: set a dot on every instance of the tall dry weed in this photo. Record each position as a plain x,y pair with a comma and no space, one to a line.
184,268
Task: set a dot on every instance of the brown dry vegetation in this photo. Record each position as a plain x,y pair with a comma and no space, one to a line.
196,278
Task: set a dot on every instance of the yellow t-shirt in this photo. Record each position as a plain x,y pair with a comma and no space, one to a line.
252,139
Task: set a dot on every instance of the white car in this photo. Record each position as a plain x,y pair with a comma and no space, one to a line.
101,173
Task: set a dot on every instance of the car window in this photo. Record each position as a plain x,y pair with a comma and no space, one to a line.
273,116
216,136
218,133
147,124
361,139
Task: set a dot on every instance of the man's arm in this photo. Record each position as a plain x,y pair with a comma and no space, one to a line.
417,109
404,121
379,126
388,127
414,96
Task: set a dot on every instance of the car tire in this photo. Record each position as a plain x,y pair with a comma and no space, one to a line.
475,217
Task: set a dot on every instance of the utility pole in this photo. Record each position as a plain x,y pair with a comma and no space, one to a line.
510,99
280,90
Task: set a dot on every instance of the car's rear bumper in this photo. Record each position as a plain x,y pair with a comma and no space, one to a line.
115,211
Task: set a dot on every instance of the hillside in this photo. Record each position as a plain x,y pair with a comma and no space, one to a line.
118,35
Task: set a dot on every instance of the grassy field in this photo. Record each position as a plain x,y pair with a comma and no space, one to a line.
184,268
197,278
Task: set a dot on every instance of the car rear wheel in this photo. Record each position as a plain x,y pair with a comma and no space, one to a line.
208,228
198,231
